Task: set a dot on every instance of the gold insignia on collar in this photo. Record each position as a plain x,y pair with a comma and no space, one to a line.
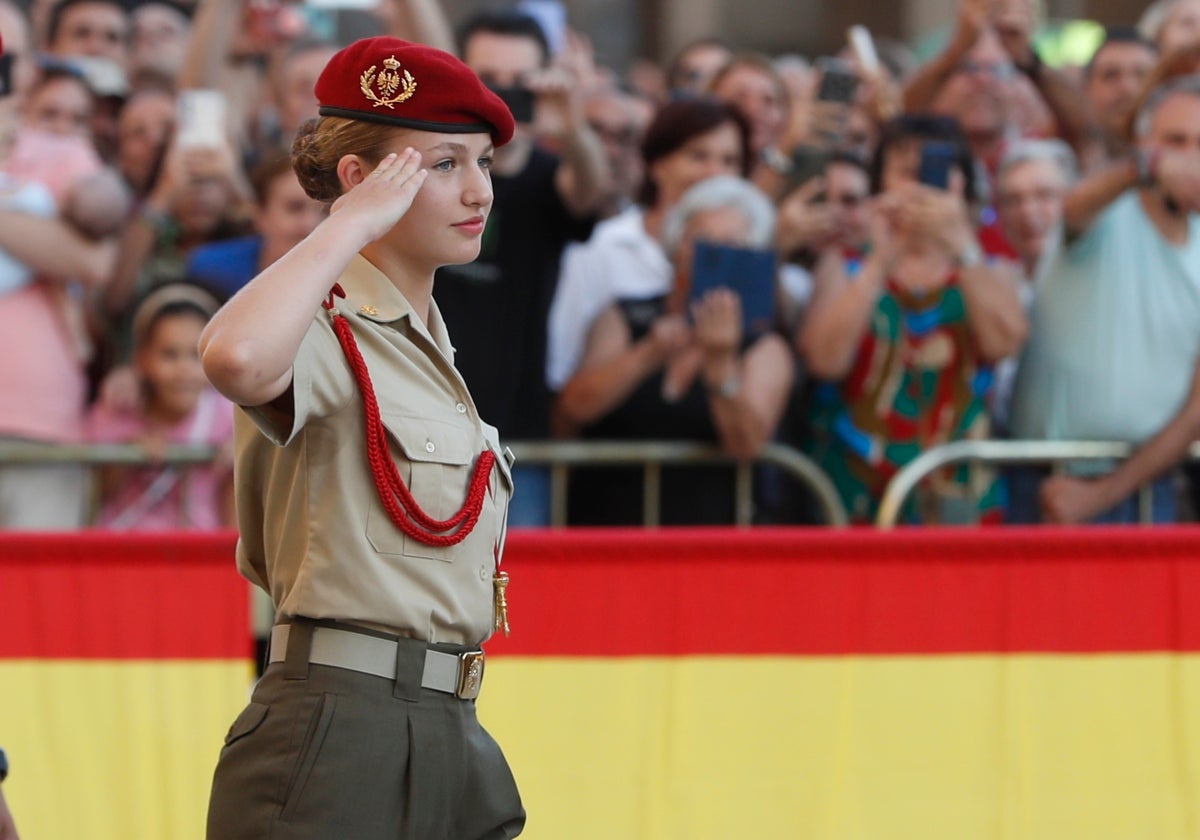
393,86
367,309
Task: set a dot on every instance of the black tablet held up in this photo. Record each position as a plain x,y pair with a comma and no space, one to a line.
750,272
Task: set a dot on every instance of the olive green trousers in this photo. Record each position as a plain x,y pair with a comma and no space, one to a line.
328,753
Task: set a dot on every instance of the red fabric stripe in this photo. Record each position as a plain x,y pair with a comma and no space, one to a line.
668,592
810,592
109,596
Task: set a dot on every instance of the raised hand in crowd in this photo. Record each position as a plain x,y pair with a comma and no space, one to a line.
267,25
805,220
558,107
185,167
559,118
832,330
940,216
718,333
973,17
1014,22
668,335
422,21
578,57
880,93
198,189
972,21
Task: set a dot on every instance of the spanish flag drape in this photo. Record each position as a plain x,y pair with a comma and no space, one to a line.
676,684
123,660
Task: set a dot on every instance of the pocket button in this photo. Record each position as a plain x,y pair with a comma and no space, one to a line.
429,447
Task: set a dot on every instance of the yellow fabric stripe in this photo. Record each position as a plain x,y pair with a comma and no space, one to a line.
115,750
957,747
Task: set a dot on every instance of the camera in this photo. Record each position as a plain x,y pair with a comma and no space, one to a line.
519,101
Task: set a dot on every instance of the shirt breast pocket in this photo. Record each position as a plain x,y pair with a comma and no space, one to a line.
434,459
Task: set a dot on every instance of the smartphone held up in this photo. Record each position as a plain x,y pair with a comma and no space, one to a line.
200,119
937,162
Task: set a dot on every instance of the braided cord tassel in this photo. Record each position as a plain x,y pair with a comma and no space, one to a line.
398,501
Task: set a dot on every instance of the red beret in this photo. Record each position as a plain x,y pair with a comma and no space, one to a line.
387,80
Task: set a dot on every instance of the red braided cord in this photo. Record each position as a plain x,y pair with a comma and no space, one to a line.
396,497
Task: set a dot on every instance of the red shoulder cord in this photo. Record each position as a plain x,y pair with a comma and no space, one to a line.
397,500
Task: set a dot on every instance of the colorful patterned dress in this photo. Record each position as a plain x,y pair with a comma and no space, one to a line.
917,381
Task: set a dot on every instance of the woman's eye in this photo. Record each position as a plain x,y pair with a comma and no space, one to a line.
485,163
443,165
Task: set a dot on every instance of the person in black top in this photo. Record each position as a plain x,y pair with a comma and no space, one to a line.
671,368
497,307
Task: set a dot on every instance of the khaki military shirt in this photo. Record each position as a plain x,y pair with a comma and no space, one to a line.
313,531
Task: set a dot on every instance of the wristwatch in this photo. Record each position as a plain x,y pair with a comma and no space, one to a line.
3,766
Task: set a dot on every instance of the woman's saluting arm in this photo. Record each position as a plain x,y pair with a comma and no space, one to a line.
249,346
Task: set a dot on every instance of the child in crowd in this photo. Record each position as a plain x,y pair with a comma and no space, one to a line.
178,407
91,197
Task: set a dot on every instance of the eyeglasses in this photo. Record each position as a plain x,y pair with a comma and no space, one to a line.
617,135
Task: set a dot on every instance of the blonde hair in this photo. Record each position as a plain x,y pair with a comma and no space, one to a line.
320,143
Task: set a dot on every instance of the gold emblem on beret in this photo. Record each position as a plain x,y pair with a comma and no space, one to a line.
393,86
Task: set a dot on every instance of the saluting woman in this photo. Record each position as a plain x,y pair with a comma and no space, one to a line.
371,496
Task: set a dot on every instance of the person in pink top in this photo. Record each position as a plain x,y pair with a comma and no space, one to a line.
178,407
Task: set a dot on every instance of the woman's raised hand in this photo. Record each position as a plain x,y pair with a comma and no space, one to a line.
718,317
382,198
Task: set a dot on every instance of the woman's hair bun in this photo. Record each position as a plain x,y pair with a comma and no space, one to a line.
316,173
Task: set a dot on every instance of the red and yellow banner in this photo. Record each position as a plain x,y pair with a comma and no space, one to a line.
675,683
913,684
123,660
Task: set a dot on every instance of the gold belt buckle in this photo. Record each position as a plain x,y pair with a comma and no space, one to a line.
470,674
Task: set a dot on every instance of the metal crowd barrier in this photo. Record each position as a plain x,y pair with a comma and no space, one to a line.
558,455
1004,452
101,454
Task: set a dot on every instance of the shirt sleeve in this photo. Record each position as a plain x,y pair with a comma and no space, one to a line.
576,304
321,385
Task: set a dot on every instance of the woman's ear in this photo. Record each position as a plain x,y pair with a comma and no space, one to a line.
351,170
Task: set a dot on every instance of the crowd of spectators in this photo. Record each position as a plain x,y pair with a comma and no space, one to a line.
977,245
